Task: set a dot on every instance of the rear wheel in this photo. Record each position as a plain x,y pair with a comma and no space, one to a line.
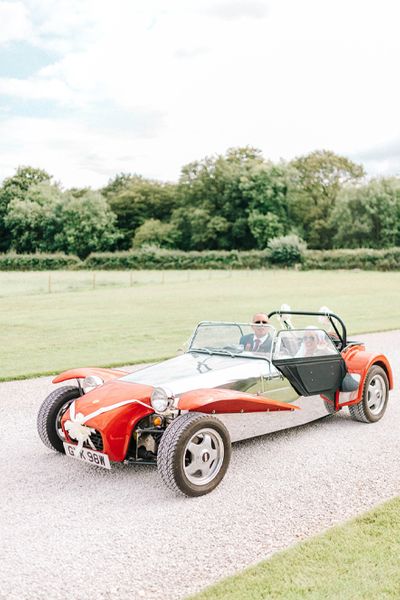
374,398
330,406
194,454
51,413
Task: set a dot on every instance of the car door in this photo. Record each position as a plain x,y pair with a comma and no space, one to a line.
310,361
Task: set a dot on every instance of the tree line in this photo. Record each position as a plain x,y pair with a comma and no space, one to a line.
237,200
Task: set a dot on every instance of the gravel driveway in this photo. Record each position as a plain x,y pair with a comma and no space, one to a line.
73,531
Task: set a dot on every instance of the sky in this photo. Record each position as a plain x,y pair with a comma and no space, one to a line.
92,88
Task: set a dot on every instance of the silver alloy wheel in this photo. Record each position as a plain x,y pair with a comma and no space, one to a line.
376,394
203,456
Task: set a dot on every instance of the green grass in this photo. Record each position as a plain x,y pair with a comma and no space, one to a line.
122,318
359,560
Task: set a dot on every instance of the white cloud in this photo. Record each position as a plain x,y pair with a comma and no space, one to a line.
382,159
36,89
291,78
238,9
15,23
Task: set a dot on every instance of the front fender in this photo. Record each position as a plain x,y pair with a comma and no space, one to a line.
113,409
104,374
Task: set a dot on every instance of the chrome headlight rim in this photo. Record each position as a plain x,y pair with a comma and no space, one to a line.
91,382
161,400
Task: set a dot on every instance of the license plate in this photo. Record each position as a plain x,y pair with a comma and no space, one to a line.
91,457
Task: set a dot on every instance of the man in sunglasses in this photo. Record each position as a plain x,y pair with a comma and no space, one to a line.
261,339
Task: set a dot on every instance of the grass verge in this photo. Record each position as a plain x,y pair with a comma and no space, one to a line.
358,560
107,321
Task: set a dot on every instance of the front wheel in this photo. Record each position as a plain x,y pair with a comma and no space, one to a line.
51,413
375,396
194,454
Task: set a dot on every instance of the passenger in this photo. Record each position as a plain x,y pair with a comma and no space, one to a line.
261,339
313,343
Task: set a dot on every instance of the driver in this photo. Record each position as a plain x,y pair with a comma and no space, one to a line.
261,339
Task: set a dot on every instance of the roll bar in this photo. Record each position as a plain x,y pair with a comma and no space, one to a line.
331,316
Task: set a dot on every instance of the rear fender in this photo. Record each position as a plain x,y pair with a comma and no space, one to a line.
218,401
359,361
104,374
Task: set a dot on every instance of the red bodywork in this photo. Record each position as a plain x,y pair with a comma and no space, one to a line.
116,425
229,401
359,361
105,374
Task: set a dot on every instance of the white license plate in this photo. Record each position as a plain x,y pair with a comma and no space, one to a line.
92,457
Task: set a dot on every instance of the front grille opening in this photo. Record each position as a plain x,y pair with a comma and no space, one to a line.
96,439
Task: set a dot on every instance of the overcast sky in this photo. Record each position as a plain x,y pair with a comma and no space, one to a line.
90,88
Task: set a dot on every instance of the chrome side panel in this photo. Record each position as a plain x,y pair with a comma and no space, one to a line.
242,426
278,388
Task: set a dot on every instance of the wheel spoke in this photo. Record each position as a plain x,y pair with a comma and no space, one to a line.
207,443
213,454
193,449
371,398
204,470
192,468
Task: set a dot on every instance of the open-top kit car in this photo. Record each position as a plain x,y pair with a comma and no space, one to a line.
182,414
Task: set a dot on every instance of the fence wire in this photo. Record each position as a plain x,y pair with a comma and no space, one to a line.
55,282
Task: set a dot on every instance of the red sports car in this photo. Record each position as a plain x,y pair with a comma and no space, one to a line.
182,414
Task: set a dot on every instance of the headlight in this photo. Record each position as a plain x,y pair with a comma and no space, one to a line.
91,382
161,399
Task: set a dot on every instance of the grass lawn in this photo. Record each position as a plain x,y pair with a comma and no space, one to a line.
114,318
358,560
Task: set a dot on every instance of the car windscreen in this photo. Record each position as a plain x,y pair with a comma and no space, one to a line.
247,339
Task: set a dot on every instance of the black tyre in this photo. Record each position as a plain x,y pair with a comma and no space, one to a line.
374,397
330,407
194,454
50,415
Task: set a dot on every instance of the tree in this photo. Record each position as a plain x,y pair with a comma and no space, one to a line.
87,225
49,220
118,183
264,227
197,229
16,187
33,220
154,232
267,189
236,193
368,216
211,190
141,199
317,180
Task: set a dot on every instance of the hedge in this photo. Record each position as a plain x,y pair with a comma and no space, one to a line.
159,258
154,258
38,262
362,258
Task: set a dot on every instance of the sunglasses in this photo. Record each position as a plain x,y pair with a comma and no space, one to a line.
260,322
